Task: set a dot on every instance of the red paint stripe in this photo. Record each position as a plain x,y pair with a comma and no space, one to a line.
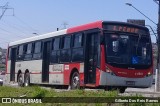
93,25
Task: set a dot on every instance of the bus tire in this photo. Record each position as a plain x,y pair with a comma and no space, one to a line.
20,80
27,79
75,81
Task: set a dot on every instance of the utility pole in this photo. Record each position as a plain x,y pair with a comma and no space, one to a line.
158,32
65,25
4,8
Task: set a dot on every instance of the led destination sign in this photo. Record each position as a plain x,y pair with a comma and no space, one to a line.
126,28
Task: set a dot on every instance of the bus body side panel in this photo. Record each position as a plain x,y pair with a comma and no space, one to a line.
68,68
81,71
56,74
59,74
67,71
34,67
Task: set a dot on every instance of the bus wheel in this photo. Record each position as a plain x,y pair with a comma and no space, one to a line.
27,79
75,81
20,80
122,89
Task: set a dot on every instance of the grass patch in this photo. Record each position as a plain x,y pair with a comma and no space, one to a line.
38,92
33,91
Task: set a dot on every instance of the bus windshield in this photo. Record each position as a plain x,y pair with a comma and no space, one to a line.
124,50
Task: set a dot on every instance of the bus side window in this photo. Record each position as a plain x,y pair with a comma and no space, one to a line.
28,54
55,50
24,49
77,51
29,48
66,51
20,53
55,44
37,50
66,41
78,40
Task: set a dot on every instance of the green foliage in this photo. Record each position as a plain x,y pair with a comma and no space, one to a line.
39,92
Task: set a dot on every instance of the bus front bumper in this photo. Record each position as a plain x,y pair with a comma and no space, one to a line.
107,79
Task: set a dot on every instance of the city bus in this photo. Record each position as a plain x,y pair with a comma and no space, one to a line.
101,54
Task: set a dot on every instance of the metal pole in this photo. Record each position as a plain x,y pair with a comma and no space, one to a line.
158,43
158,32
129,4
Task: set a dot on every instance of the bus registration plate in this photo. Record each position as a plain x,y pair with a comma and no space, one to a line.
131,83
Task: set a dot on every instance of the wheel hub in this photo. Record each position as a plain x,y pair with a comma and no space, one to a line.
76,80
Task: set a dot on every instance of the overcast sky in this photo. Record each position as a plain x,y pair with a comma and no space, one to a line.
43,16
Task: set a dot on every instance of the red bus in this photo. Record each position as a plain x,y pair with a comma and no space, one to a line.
102,54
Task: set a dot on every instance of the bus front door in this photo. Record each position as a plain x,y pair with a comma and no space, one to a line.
91,58
46,61
13,61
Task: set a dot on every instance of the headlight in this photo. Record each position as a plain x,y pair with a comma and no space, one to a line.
148,74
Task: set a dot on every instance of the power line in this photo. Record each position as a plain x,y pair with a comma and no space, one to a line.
12,26
4,9
10,32
17,26
25,23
